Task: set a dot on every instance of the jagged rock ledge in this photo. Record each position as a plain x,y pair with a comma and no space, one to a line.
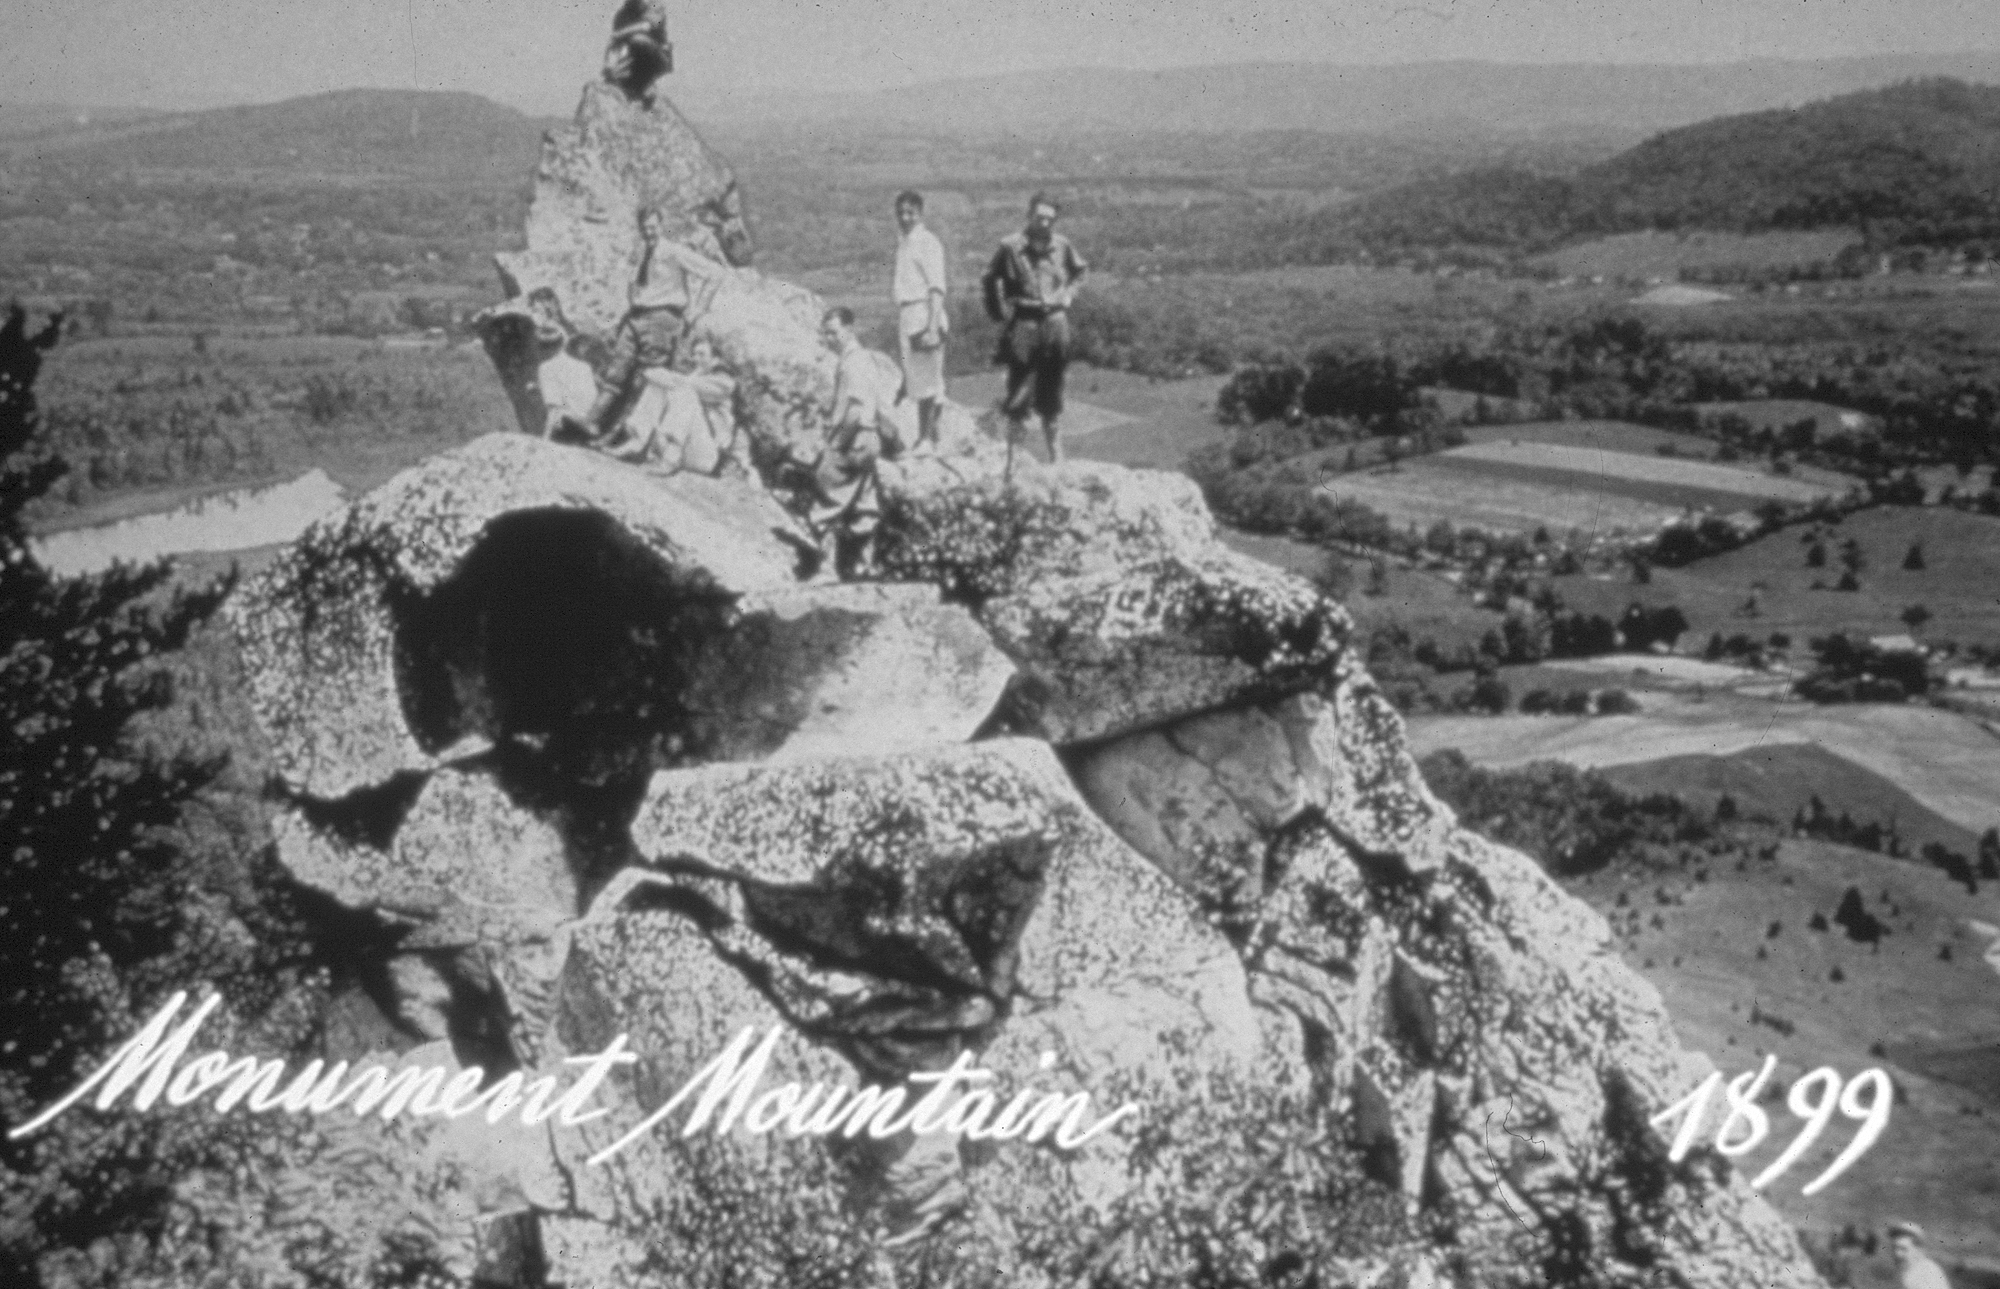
1067,777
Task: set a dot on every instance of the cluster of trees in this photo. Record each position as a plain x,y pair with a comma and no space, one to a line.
1744,650
1571,821
1578,702
1815,820
110,902
209,418
1923,408
1848,670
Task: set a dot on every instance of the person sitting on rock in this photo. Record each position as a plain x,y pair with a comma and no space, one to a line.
683,420
639,53
1914,1267
565,382
660,299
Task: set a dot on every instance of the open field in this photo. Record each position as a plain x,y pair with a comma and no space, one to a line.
1610,436
1956,585
1424,491
1644,673
1777,780
1641,440
1593,464
1425,604
1648,255
1118,416
1945,762
1940,1157
1550,475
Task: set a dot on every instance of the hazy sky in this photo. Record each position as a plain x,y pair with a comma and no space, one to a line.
533,54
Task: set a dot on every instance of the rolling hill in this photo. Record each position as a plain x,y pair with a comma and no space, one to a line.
1476,97
436,136
1920,161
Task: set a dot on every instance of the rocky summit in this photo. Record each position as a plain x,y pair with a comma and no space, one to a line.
1060,782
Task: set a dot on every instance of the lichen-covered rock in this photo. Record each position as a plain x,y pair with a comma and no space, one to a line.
474,888
844,670
615,160
1368,1047
982,535
1498,1062
465,862
1109,591
870,900
497,589
710,1208
901,904
1203,796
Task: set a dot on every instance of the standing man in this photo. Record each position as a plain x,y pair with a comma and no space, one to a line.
1029,287
649,335
859,434
1913,1266
921,319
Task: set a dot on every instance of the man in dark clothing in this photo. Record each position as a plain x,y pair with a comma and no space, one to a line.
1029,287
640,52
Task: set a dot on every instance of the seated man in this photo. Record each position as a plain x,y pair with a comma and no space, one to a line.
683,420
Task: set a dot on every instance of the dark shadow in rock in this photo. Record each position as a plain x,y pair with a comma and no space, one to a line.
563,633
477,1020
353,946
593,818
938,965
366,816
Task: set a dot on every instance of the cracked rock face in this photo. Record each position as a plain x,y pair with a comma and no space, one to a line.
615,159
1067,788
1108,590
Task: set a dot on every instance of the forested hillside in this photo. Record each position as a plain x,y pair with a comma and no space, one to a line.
1915,164
349,132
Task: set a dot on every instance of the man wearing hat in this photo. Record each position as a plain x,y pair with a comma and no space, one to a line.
1913,1266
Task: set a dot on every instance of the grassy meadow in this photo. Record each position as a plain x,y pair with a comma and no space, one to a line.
1956,586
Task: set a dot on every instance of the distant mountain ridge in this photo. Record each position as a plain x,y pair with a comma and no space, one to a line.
1919,162
1361,99
345,132
37,118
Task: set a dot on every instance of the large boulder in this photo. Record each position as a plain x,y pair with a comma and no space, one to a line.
508,588
1110,592
616,159
516,591
904,903
1467,1005
1069,786
844,670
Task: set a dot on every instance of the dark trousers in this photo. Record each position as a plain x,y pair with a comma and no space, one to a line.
1036,351
646,338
